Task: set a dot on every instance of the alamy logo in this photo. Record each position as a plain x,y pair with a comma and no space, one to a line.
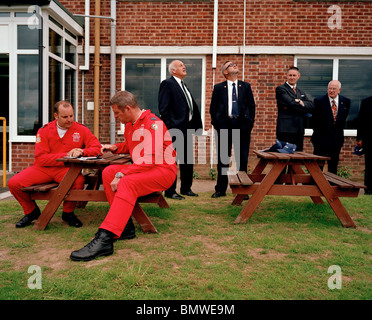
334,22
34,22
34,282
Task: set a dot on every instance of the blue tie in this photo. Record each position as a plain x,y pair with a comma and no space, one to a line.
235,110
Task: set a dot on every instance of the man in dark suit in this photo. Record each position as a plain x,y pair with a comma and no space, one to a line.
293,108
329,117
232,112
181,115
364,139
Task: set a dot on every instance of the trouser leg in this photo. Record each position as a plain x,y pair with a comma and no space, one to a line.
131,187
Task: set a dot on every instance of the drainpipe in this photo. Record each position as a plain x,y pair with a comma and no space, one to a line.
214,63
86,36
113,68
40,80
97,25
244,39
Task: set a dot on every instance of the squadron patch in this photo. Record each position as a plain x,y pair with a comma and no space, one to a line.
38,139
76,137
154,126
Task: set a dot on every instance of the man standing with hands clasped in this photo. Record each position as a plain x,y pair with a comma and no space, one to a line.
232,112
181,115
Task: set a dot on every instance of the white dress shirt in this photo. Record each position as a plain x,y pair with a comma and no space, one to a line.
229,94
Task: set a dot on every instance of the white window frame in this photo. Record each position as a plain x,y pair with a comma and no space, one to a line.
164,74
12,23
336,59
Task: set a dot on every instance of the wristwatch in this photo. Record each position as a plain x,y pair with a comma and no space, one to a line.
119,175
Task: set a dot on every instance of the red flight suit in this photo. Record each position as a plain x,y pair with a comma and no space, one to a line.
49,147
154,169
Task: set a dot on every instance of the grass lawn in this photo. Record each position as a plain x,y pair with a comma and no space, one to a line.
282,253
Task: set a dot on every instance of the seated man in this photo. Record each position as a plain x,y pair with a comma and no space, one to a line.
154,168
57,139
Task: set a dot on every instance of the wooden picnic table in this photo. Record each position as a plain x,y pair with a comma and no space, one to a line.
56,193
284,174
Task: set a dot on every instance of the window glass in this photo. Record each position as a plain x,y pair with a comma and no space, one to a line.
356,79
70,85
55,43
70,52
55,85
142,78
4,14
28,94
27,38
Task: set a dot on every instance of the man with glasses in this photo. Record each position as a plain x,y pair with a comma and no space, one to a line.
232,113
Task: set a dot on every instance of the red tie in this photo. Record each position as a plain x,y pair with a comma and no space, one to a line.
334,110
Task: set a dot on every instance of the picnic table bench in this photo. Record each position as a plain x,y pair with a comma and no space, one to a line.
56,193
287,177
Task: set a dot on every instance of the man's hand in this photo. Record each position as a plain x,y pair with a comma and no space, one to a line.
114,184
300,102
76,152
109,147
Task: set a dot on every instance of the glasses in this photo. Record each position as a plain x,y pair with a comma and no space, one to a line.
231,65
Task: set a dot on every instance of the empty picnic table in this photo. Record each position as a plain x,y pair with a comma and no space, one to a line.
283,174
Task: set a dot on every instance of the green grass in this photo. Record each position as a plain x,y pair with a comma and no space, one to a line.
283,252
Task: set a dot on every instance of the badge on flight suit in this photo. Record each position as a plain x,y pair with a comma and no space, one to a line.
76,137
38,139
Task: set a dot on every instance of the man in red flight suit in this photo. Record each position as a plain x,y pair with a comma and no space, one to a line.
57,139
154,168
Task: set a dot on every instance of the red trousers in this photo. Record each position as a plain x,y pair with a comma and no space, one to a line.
37,175
132,186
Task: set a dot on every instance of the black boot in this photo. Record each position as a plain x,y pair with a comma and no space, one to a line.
28,218
71,219
101,245
129,231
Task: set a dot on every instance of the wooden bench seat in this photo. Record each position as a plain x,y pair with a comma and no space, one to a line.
342,183
45,192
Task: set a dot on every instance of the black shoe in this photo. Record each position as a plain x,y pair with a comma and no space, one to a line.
71,219
246,197
218,194
101,245
129,231
190,194
175,196
28,218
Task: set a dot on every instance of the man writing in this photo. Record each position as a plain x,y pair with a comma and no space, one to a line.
57,139
154,168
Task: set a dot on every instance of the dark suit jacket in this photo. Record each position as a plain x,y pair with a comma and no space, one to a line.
291,115
173,107
219,106
364,122
328,135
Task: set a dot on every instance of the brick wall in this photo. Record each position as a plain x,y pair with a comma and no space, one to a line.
268,23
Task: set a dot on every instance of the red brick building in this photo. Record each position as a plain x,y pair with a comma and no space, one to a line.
325,39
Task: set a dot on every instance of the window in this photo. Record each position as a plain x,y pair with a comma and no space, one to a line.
62,66
142,77
355,76
28,104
